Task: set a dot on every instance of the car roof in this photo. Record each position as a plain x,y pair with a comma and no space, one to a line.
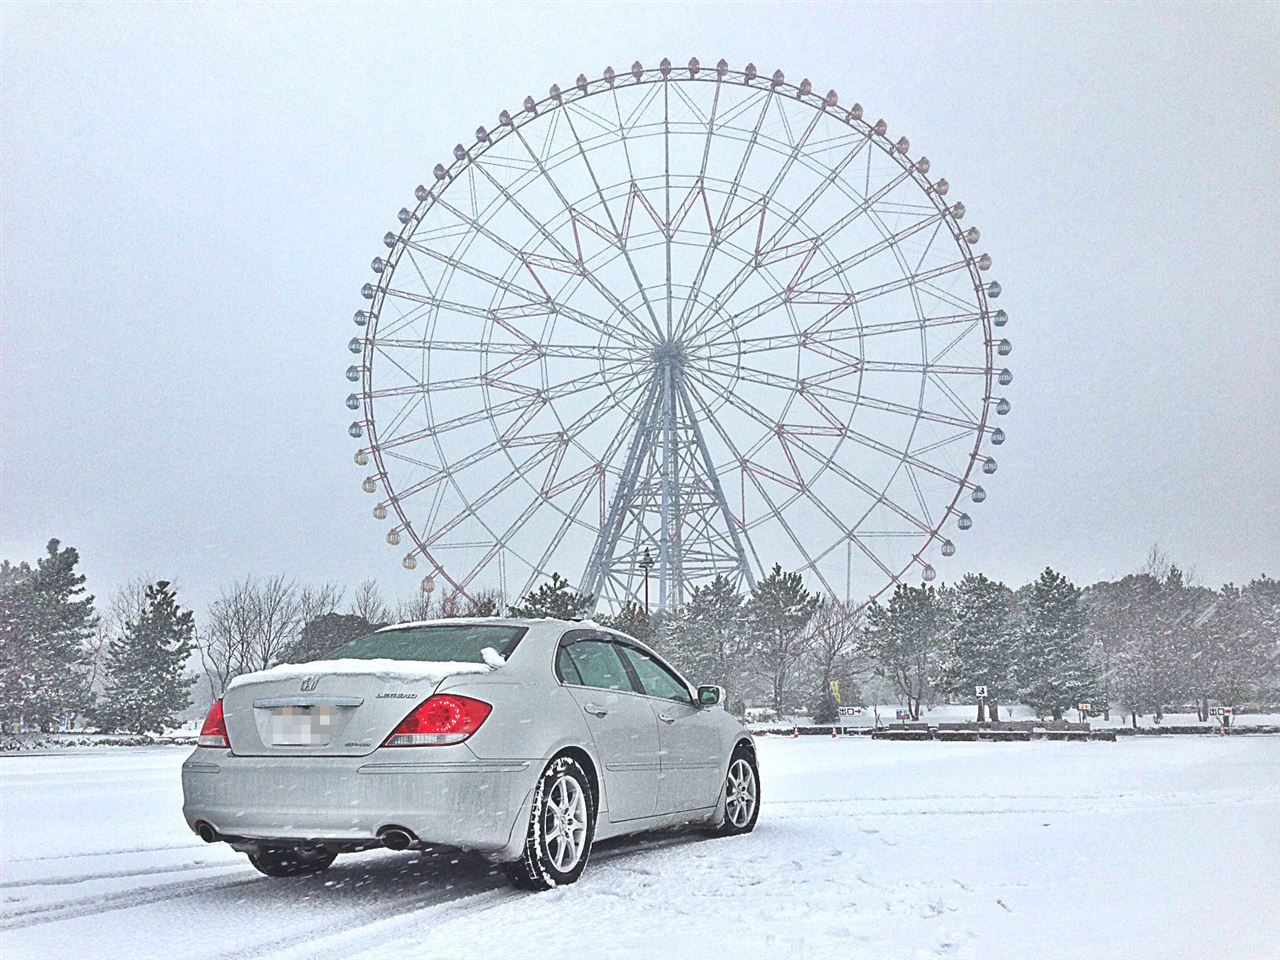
552,628
494,621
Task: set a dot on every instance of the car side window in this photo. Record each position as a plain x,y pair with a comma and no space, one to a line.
657,680
599,665
564,665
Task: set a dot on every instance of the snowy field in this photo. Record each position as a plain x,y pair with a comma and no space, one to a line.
1140,849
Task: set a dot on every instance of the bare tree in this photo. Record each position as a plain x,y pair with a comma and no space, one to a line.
250,626
278,620
125,607
485,603
227,639
834,649
316,601
417,607
368,603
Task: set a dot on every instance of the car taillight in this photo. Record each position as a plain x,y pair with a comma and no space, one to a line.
214,731
442,719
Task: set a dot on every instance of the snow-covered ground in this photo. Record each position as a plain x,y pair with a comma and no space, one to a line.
1164,847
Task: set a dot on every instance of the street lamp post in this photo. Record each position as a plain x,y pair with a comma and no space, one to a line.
646,564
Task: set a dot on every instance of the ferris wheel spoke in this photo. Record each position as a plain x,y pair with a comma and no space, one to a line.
534,303
718,230
551,351
571,262
809,390
838,300
833,335
905,366
613,223
813,244
439,303
778,515
764,248
488,379
564,251
884,406
473,507
877,496
512,435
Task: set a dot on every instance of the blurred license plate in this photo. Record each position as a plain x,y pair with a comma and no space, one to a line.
301,726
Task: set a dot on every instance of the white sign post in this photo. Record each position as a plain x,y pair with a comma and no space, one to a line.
981,691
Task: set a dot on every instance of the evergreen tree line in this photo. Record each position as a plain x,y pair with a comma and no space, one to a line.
1145,642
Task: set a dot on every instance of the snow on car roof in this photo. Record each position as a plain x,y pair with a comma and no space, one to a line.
483,621
406,671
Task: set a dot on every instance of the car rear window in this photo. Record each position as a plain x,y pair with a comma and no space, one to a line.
459,643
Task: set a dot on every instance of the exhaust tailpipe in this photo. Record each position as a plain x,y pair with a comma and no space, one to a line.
396,838
206,832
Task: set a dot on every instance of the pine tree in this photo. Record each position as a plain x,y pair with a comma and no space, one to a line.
980,642
777,614
1262,601
145,684
906,640
706,639
556,598
46,626
1056,669
632,619
1238,643
1123,622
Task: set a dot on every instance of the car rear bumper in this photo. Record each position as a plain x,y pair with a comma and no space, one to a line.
451,798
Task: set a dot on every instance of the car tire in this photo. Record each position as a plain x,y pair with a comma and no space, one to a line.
562,825
291,861
741,794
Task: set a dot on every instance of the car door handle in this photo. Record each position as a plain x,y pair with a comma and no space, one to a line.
595,711
666,718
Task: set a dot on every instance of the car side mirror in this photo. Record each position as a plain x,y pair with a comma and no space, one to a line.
710,696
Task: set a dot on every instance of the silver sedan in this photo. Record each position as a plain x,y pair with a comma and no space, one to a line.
526,740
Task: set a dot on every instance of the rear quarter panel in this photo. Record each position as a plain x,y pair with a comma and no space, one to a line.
530,720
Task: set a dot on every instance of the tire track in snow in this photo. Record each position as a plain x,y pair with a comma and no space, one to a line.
340,938
467,895
107,903
120,874
109,853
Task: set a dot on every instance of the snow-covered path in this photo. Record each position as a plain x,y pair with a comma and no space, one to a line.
1151,848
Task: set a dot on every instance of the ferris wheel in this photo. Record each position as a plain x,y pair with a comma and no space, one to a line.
691,318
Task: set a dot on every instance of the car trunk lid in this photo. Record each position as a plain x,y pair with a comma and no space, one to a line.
329,707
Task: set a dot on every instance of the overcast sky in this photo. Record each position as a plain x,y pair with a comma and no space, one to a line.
191,195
